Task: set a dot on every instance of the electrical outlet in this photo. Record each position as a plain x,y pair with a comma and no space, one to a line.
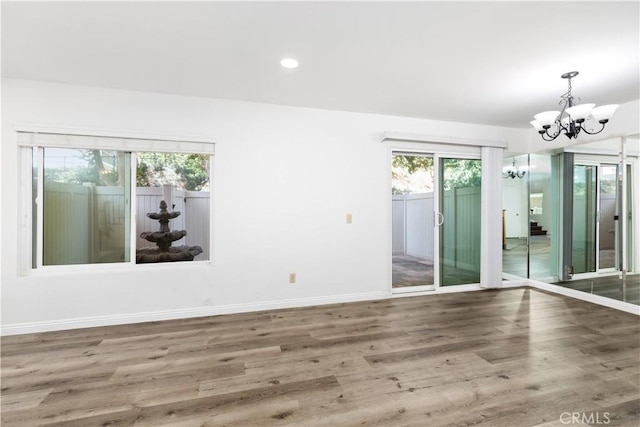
292,277
349,218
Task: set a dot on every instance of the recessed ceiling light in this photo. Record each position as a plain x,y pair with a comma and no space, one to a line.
289,63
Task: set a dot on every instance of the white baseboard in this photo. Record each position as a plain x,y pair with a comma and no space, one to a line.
437,291
123,319
513,282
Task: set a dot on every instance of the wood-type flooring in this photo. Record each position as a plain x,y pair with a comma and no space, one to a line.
515,357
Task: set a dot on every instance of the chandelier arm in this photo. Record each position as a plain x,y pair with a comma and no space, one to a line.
548,137
567,102
554,135
561,127
584,128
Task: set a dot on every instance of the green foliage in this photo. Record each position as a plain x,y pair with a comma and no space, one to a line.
143,175
412,163
71,175
85,166
187,171
107,168
194,171
411,174
459,173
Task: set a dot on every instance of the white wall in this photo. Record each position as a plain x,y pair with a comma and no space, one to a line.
304,169
515,202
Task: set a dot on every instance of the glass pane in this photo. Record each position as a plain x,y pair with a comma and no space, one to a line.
583,255
182,182
34,207
608,212
85,207
632,188
460,233
412,220
542,228
515,215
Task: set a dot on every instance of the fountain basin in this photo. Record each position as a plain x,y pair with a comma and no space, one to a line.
174,253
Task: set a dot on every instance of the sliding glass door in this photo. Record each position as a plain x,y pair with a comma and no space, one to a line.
596,212
584,218
435,221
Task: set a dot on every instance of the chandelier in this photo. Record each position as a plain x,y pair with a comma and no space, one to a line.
571,120
513,172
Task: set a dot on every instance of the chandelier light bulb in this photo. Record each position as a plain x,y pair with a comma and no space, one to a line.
580,112
536,124
547,118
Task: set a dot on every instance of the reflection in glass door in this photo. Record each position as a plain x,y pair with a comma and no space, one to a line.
460,181
632,192
608,216
583,254
595,218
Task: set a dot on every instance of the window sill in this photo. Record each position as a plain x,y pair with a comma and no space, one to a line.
79,269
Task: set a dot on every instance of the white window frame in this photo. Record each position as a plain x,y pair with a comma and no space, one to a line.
32,137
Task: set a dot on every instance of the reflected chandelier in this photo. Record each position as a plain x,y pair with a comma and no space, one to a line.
514,171
571,120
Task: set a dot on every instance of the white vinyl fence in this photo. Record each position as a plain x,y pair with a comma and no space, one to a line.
83,224
88,224
412,225
607,222
584,229
461,228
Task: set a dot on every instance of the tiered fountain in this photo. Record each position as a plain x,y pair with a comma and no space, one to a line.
163,238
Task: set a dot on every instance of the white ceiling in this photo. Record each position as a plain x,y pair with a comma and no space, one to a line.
494,63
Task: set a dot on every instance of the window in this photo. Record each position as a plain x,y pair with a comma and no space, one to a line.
85,199
90,196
